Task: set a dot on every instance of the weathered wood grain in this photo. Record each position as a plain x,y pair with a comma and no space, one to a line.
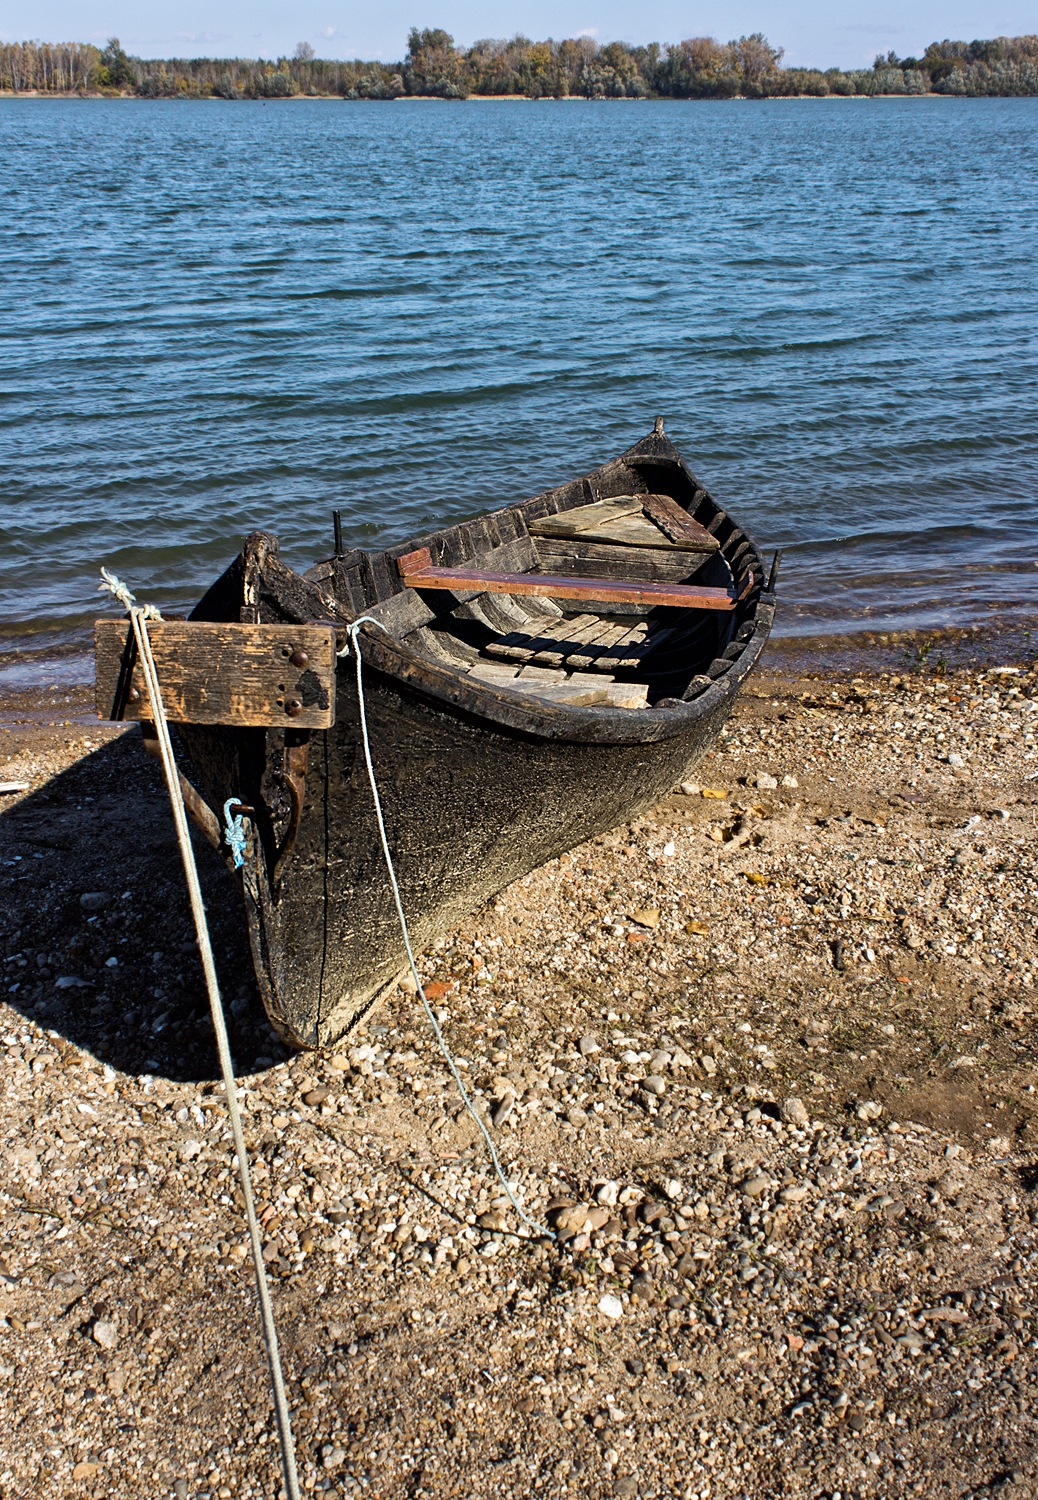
585,517
418,573
589,559
653,521
245,676
678,524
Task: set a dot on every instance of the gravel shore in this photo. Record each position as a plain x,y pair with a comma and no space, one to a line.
763,1060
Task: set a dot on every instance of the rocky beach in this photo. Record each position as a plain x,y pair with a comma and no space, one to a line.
762,1060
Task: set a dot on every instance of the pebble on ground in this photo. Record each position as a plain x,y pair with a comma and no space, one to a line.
761,1062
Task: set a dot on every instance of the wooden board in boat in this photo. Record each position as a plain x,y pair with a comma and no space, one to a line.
629,521
247,676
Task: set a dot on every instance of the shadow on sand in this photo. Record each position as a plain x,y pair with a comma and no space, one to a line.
118,974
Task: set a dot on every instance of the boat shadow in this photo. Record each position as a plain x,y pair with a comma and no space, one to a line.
118,974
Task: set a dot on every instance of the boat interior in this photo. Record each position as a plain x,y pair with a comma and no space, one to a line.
623,589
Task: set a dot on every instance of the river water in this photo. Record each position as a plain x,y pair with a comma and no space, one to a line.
222,316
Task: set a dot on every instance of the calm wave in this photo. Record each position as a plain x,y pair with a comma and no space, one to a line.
221,316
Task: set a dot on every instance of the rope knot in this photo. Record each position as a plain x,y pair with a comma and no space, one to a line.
234,832
110,584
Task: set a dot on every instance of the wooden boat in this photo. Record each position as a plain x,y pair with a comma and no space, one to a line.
545,673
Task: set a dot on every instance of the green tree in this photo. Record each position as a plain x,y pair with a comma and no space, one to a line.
433,66
116,70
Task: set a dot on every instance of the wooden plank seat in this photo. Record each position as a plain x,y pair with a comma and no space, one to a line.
417,572
629,521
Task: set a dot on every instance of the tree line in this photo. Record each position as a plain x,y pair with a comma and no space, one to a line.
698,68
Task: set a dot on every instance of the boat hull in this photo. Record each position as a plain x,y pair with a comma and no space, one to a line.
478,785
468,808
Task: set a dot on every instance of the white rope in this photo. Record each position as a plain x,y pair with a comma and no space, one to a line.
352,634
112,585
139,618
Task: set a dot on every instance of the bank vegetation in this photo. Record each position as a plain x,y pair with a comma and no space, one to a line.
697,68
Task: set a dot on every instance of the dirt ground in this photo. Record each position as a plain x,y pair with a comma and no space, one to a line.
763,1059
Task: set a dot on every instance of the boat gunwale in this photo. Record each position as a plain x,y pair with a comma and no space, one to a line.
597,724
601,724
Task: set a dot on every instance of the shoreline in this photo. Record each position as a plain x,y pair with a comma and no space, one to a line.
764,1057
481,98
839,650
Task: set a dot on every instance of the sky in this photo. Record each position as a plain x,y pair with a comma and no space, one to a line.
813,32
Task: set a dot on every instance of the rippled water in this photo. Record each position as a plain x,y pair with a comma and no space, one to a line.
224,316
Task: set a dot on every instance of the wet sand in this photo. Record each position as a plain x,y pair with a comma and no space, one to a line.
764,1059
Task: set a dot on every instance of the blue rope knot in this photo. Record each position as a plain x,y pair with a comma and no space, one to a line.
234,832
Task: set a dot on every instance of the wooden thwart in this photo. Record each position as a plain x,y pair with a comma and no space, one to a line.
417,571
251,676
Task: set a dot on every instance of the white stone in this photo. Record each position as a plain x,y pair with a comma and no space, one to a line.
794,1112
611,1306
106,1334
766,783
691,788
790,781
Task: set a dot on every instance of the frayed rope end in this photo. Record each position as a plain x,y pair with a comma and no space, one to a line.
110,584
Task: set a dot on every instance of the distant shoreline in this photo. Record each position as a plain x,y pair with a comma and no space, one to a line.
98,97
700,67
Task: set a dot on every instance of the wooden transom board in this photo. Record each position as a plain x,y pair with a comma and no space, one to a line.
253,676
629,521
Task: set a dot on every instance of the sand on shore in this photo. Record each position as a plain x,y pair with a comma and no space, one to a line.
764,1057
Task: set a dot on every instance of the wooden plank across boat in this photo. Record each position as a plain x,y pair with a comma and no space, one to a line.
537,675
255,676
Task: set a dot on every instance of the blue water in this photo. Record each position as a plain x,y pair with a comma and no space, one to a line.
221,316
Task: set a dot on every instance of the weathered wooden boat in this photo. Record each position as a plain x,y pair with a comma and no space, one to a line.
544,673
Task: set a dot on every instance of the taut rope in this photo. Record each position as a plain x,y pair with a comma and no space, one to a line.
139,617
352,635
